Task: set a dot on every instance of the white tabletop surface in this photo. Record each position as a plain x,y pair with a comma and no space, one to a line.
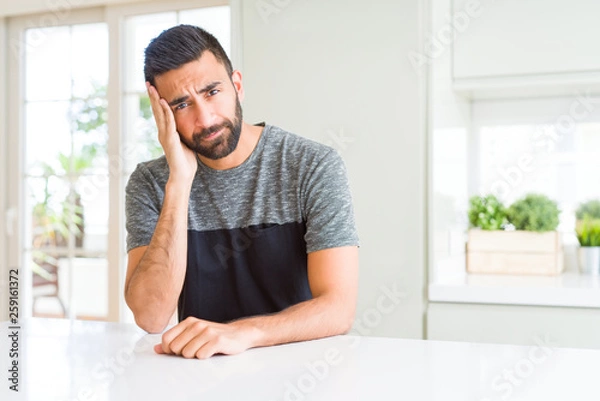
67,361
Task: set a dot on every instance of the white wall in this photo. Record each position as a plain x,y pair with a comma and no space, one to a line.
337,71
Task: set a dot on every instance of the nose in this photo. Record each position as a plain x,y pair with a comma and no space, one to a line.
204,114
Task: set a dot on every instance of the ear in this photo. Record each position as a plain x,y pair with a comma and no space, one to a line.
236,78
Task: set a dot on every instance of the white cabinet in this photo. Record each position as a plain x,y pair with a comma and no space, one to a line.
527,42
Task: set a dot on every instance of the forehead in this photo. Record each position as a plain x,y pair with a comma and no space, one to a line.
197,73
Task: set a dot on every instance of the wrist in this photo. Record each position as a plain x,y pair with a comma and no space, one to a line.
253,334
179,184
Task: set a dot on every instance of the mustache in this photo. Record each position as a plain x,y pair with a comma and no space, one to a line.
212,129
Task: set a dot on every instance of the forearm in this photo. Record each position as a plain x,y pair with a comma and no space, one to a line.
333,278
156,283
323,316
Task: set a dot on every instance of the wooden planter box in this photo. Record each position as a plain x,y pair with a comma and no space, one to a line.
514,252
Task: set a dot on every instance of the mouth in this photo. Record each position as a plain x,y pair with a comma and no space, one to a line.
213,135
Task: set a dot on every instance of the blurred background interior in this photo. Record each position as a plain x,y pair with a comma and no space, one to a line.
430,103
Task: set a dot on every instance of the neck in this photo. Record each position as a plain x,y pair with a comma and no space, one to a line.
248,139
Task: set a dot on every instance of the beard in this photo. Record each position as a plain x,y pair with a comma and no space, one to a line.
223,145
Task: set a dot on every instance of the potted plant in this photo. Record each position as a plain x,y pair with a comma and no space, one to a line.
487,213
591,209
534,212
521,239
587,229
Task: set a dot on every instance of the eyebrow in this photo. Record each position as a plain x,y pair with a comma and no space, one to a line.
184,98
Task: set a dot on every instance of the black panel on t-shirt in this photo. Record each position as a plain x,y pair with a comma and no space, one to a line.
237,273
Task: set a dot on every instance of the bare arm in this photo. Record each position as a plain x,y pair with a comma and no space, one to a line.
155,273
333,279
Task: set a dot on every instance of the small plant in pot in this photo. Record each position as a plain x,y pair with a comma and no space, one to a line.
487,213
589,209
533,247
587,229
534,212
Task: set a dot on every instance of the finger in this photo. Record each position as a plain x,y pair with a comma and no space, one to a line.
209,349
195,343
205,344
154,98
155,104
201,346
169,118
184,338
172,333
158,349
152,91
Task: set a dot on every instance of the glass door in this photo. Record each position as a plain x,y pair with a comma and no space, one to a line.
65,168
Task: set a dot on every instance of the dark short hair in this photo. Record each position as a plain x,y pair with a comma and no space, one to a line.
178,46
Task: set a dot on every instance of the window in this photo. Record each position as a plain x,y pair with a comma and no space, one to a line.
66,173
511,148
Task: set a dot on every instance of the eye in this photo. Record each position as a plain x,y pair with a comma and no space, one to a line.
181,106
213,92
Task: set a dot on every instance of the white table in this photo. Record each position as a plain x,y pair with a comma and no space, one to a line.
67,361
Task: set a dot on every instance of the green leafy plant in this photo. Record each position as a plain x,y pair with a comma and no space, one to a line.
534,212
487,213
91,111
588,232
51,226
591,209
78,163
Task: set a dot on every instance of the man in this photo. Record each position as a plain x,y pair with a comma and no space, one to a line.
247,230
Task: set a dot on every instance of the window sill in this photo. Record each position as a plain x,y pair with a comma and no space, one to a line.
569,289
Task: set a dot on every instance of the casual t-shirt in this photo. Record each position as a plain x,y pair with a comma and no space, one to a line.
250,227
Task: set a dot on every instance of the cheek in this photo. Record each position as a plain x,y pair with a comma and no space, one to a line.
183,123
228,107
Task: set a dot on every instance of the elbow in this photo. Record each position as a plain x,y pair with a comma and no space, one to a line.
341,313
150,325
341,327
349,315
345,325
345,321
147,320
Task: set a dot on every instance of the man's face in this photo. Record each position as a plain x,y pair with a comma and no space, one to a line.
206,105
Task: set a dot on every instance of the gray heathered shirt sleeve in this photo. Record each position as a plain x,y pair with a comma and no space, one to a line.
143,203
328,206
